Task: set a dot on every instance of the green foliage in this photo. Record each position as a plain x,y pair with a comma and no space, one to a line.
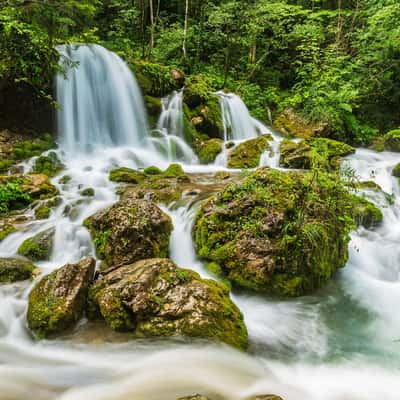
13,196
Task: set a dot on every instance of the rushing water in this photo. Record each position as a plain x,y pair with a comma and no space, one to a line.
337,344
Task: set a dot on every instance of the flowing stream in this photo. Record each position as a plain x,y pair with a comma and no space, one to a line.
337,344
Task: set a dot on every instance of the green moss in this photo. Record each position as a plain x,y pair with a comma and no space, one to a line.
282,233
49,165
42,212
15,269
312,152
38,247
392,140
208,150
248,154
396,170
127,175
174,170
152,170
6,230
365,213
13,196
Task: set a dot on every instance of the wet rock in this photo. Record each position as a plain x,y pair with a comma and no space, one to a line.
57,302
152,170
42,212
154,297
174,170
315,151
15,269
130,230
127,175
88,192
208,150
365,213
6,229
248,153
293,125
392,140
396,171
38,247
276,232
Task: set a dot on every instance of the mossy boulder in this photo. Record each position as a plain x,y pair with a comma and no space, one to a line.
292,124
6,229
174,170
396,170
87,192
49,165
248,153
315,151
15,269
201,109
126,175
392,140
58,301
365,213
130,230
154,297
284,233
42,212
152,170
38,247
208,150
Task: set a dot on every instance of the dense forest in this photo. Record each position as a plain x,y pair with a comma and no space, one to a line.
335,62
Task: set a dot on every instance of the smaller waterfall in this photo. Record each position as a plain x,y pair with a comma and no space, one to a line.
101,105
171,117
237,121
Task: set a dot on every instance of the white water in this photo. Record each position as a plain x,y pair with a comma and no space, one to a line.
171,117
338,344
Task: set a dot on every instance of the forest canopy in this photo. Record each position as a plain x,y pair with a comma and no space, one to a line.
335,62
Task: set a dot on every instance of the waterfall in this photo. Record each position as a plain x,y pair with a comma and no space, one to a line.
100,104
171,117
237,121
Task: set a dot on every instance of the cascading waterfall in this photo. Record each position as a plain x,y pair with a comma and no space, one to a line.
171,117
339,343
100,102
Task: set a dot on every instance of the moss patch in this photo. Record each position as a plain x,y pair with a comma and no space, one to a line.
15,269
208,150
38,247
248,153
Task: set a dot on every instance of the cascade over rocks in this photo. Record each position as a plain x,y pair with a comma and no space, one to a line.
276,232
154,297
57,302
130,230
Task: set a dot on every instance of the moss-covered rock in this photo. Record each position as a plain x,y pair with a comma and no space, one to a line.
314,151
365,213
292,124
174,170
49,165
152,170
277,232
42,212
208,150
248,153
130,230
156,298
6,229
87,192
154,107
38,247
126,175
57,302
396,170
15,269
392,140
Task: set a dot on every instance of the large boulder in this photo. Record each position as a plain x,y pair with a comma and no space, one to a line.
15,269
248,153
38,247
311,152
276,232
130,230
57,302
156,298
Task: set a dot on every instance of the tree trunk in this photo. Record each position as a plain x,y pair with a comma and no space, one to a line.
151,27
185,28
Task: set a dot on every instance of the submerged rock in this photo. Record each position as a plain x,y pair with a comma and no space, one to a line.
130,230
38,247
154,297
277,232
248,153
57,302
315,151
365,213
15,269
